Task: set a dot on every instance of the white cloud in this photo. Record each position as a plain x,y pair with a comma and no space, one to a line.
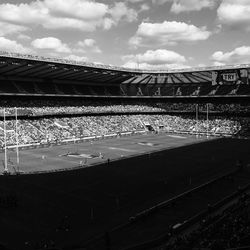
24,13
167,33
201,65
155,59
159,56
85,15
108,23
88,42
40,12
191,5
237,56
54,46
235,12
90,45
141,5
76,58
82,9
146,66
51,43
69,23
136,1
13,46
121,11
179,6
144,7
219,64
8,28
160,2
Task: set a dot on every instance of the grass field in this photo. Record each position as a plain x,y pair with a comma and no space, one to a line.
93,200
46,159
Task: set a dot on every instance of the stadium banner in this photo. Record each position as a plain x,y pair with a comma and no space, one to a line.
148,90
154,91
230,77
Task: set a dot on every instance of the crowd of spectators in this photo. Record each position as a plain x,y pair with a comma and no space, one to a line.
227,230
46,130
120,116
36,107
229,108
76,106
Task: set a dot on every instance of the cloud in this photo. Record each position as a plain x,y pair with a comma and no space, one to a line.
235,13
55,46
146,66
76,58
219,64
160,2
51,43
24,13
8,28
155,59
55,14
86,10
139,5
179,6
239,55
70,23
13,46
144,7
90,45
167,33
121,11
191,5
85,15
136,1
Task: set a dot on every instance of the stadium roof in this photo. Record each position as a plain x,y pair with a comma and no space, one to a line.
31,66
27,66
115,68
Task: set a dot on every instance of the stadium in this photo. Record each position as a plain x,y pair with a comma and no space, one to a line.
102,157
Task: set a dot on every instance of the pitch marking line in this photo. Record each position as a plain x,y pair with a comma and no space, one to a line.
177,136
122,149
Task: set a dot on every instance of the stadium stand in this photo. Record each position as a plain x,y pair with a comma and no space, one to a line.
32,75
59,129
226,230
56,77
36,107
60,101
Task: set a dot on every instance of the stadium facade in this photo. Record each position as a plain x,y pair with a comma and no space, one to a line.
26,75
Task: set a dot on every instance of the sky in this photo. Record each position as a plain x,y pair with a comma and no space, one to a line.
144,34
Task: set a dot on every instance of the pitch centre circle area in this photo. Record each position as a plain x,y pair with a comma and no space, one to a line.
87,154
